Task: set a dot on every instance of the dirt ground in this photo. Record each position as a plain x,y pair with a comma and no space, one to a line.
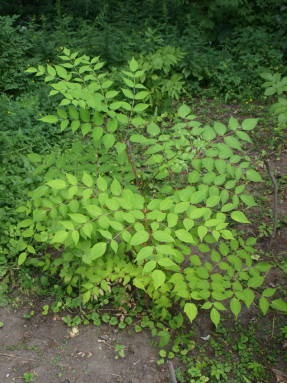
54,353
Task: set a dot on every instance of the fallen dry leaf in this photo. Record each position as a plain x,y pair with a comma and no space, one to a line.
82,354
281,377
74,331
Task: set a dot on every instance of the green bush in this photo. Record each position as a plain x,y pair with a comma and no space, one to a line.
13,48
275,84
157,212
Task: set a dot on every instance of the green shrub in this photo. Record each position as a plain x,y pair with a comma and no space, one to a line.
13,48
157,212
276,85
164,82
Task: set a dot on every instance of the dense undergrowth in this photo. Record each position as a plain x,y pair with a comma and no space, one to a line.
112,188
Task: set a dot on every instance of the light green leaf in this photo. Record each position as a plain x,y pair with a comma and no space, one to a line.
202,231
94,210
149,266
139,237
208,133
73,112
138,283
158,278
71,179
61,72
126,106
235,307
108,140
243,136
168,264
67,225
172,219
60,236
233,124
181,207
112,125
87,180
144,253
188,223
198,197
220,166
215,316
166,204
112,204
133,64
248,297
50,119
269,292
220,128
34,157
264,305
248,200
111,94
140,107
97,133
183,111
128,93
75,236
114,246
163,236
142,95
212,201
87,229
25,223
184,236
79,218
238,216
31,70
102,184
228,207
232,142
75,125
22,258
255,282
253,175
153,129
191,311
57,184
249,123
280,305
116,188
97,251
226,234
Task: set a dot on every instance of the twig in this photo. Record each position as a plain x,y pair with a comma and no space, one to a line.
273,326
16,356
275,198
171,372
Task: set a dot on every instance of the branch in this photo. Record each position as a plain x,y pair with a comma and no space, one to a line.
171,372
275,198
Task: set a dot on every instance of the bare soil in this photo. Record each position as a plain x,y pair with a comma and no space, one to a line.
55,353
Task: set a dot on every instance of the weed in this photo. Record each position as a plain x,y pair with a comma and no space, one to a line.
120,351
28,377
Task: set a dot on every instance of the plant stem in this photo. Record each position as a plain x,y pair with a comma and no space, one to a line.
131,160
275,198
171,372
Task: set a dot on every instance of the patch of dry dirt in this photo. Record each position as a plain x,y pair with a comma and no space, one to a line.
43,346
